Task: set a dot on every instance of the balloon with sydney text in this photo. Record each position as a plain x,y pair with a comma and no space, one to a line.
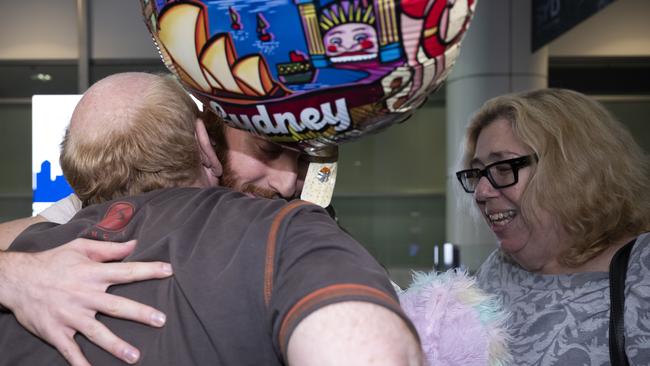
310,73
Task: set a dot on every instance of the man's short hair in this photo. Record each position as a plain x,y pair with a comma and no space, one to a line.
154,147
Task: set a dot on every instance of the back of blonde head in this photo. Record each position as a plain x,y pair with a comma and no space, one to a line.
131,133
591,175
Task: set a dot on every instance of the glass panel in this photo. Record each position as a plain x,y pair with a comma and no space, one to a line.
405,159
23,79
390,191
400,231
15,148
14,207
634,114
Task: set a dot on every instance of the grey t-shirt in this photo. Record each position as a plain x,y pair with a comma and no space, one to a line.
246,272
564,319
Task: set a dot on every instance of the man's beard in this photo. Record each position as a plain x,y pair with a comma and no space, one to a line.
229,179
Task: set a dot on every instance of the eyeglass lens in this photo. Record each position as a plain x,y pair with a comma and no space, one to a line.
499,175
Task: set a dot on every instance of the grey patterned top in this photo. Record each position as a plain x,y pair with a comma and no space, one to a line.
564,319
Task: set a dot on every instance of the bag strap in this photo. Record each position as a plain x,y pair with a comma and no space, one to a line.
617,273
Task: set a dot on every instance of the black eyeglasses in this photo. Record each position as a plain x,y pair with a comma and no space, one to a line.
500,174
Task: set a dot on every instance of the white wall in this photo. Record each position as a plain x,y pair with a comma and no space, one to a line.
38,29
118,30
621,29
46,29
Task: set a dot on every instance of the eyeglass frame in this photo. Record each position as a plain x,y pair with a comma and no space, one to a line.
515,164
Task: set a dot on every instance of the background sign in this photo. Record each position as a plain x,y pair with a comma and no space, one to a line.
552,18
50,116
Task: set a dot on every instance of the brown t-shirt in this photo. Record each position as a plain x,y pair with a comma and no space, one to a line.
246,272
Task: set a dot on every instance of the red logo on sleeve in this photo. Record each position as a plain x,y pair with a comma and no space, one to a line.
117,217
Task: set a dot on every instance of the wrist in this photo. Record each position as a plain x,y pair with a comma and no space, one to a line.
6,260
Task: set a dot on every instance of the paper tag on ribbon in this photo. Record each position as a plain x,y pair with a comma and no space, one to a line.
319,183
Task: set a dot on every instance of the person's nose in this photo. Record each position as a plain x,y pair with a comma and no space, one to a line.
484,190
284,179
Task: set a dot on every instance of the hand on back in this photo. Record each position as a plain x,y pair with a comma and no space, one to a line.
57,293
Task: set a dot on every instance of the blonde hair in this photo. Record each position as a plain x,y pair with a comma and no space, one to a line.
592,177
156,149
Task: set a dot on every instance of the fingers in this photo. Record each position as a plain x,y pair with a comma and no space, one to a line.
123,308
117,273
104,251
99,334
70,351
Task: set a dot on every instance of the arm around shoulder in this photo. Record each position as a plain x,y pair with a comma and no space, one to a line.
60,212
11,229
353,333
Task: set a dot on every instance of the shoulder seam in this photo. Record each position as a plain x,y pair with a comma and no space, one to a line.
341,291
271,244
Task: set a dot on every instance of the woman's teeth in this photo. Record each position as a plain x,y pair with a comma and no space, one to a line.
501,218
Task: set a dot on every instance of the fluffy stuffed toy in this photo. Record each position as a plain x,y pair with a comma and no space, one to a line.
458,323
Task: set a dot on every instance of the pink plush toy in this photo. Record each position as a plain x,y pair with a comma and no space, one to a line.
458,323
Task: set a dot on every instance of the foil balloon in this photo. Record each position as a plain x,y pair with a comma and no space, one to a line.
311,73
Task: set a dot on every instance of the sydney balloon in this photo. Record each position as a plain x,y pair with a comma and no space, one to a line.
308,72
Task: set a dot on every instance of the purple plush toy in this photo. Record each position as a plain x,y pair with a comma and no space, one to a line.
458,323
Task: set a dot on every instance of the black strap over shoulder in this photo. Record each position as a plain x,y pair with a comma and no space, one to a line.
617,273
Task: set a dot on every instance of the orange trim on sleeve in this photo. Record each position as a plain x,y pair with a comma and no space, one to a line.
271,243
325,293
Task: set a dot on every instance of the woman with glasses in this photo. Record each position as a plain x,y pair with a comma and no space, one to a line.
563,187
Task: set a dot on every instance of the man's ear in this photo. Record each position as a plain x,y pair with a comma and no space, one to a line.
209,158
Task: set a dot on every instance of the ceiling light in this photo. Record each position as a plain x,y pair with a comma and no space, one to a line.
41,77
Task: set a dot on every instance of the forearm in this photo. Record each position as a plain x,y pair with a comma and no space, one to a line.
60,212
11,229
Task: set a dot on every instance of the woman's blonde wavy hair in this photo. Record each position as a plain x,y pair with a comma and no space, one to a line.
157,149
592,177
